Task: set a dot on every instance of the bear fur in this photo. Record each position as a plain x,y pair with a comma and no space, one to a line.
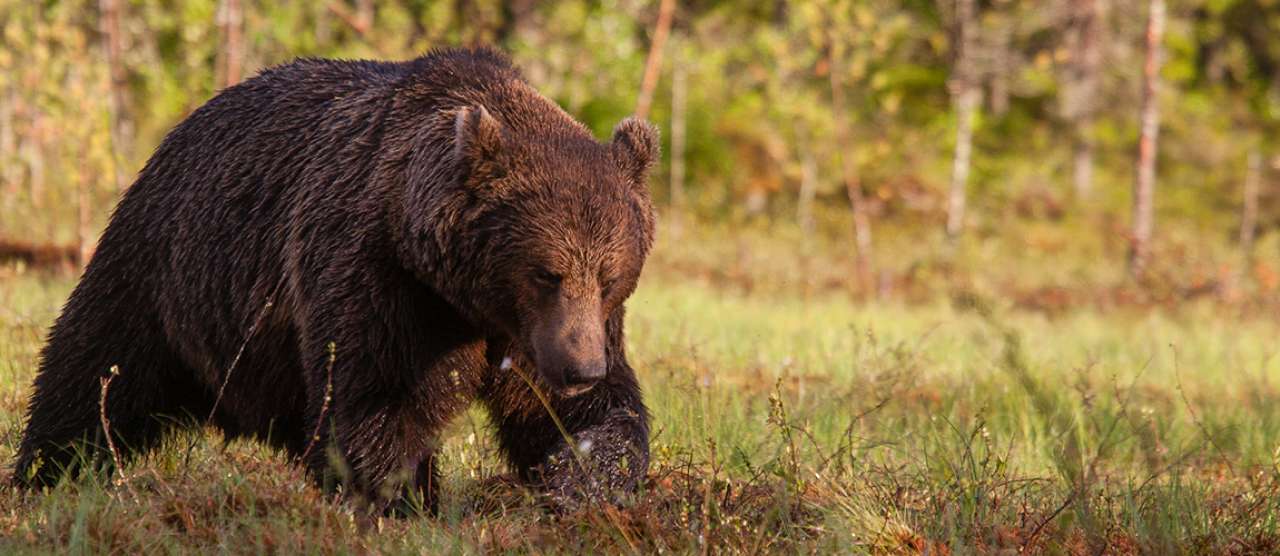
337,257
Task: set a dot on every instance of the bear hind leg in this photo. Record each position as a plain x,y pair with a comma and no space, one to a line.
148,393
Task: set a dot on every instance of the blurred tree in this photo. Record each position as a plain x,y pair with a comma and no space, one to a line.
679,127
517,16
1145,176
848,169
654,62
231,49
359,20
966,96
1237,65
113,44
1085,22
1249,206
752,127
808,178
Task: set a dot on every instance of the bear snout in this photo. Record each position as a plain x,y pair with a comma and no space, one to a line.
576,375
568,345
585,374
571,362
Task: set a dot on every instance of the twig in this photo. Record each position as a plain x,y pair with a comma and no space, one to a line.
1040,527
324,405
1180,460
1177,375
106,424
846,442
1105,444
226,379
102,413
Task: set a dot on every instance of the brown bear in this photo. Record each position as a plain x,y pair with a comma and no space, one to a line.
337,257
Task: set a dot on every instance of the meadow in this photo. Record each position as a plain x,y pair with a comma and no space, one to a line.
786,419
932,277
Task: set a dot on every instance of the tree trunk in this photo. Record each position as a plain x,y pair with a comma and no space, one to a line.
966,105
1145,177
231,52
967,95
678,130
31,150
1082,162
113,45
364,14
323,28
808,179
1249,206
362,18
1081,88
84,191
8,151
515,19
84,239
852,185
1002,67
650,81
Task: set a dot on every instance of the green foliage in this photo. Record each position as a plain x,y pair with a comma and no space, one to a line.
759,100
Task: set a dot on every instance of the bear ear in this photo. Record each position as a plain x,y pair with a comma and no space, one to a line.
635,148
478,139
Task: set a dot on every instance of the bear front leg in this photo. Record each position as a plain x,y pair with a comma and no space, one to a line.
606,462
369,439
606,452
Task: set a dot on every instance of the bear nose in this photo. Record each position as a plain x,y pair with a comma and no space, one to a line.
587,373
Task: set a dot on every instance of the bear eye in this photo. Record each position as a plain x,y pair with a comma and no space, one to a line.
606,287
548,278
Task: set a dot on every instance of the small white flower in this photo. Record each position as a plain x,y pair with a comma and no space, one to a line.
506,364
585,446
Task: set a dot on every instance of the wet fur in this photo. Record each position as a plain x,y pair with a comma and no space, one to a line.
331,202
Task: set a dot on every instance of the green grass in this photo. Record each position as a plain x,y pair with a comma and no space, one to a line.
785,419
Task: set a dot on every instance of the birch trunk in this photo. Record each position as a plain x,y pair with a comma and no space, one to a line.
1082,89
1145,177
231,52
1249,206
966,106
650,81
966,95
113,46
8,152
852,184
808,179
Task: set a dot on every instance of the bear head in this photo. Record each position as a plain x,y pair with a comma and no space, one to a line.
551,229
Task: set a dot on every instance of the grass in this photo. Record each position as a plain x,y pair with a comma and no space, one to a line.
787,418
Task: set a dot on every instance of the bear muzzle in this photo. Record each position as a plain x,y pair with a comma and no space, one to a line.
571,372
571,360
580,378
